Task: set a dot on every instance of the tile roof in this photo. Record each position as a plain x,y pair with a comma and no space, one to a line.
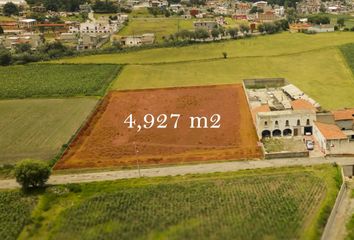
262,108
301,104
330,131
345,114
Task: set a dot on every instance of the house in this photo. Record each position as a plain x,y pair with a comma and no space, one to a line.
27,23
132,41
299,27
38,9
85,8
207,25
280,109
268,16
240,16
322,28
242,8
335,132
92,40
34,39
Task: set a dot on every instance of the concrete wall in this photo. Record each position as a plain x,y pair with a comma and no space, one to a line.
265,83
286,155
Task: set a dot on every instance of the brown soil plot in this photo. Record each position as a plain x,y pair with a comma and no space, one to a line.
107,141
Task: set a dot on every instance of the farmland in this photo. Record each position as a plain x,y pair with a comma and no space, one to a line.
305,70
348,52
273,203
160,27
263,46
15,212
37,128
55,80
107,140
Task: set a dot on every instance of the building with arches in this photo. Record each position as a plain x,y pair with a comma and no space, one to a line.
280,109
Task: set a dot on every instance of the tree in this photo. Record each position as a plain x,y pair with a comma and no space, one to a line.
31,173
201,33
10,9
5,57
23,47
244,28
340,22
215,33
1,31
224,54
233,32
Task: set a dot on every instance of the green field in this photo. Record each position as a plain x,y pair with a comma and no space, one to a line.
323,74
263,46
37,128
285,203
159,26
40,80
312,62
15,213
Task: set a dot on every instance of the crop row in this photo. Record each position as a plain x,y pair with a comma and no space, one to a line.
236,208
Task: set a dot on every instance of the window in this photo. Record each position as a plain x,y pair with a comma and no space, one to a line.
298,122
287,123
308,122
276,123
265,123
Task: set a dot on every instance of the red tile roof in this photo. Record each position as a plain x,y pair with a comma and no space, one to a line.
330,131
262,108
301,104
345,114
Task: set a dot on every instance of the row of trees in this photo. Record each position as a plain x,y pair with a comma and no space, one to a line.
23,54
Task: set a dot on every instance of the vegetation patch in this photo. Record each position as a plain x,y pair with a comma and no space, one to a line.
270,203
37,128
15,213
55,80
348,52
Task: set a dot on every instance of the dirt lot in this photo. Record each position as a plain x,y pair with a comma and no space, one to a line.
107,141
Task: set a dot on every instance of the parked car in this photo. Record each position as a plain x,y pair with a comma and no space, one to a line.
310,144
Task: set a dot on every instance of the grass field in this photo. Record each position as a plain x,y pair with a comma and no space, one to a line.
323,74
55,80
159,26
290,203
263,46
37,128
15,213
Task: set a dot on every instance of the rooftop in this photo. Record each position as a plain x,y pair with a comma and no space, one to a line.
330,131
345,114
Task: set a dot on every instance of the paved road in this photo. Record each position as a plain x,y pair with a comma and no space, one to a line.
181,170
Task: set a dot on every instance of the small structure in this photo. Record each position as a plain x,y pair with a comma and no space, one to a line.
27,23
335,132
322,28
207,25
138,40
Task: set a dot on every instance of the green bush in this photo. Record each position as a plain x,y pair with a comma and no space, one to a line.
31,173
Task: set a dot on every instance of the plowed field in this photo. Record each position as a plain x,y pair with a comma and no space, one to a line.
107,141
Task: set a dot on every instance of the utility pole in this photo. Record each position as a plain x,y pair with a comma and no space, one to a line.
137,160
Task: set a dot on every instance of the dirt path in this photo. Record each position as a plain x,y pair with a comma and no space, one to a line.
343,215
180,170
